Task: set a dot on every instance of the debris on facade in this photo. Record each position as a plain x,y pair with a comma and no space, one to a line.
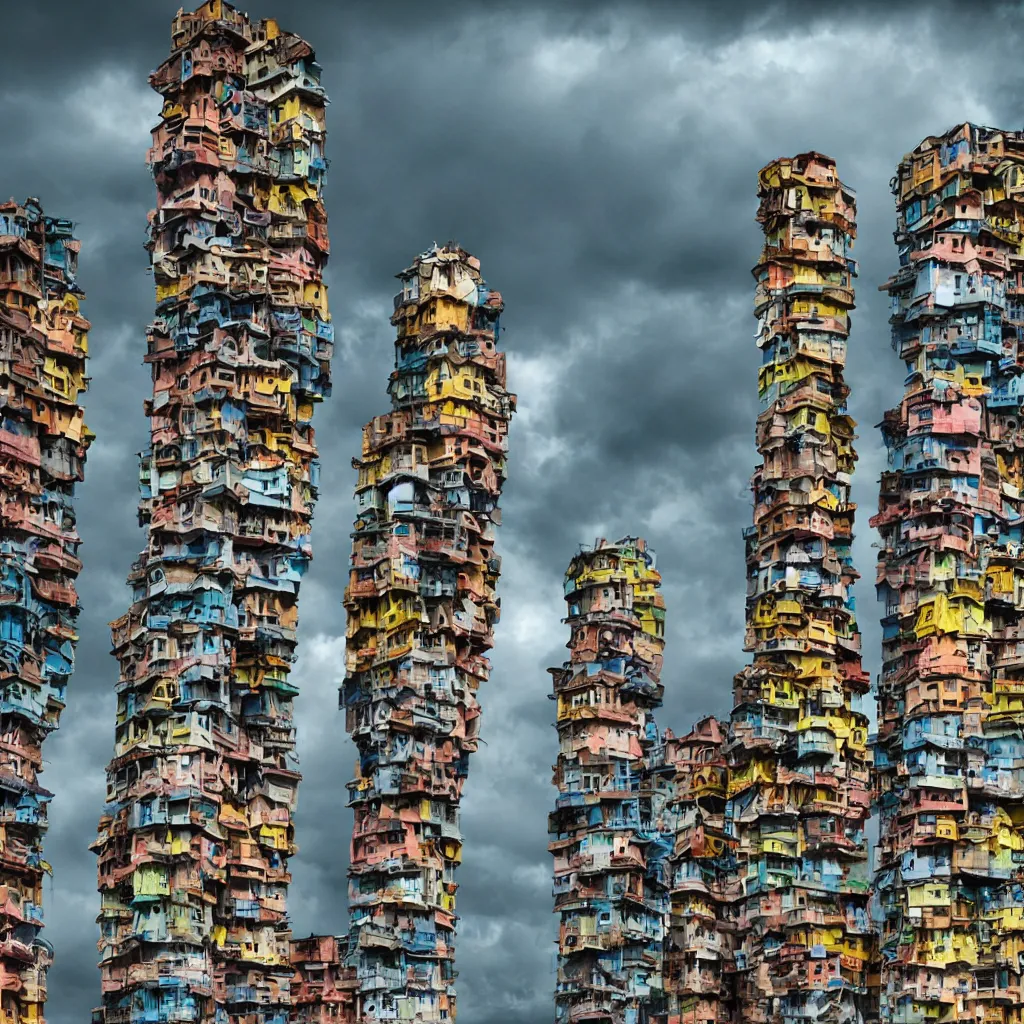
950,576
705,887
611,882
799,779
43,444
194,845
421,605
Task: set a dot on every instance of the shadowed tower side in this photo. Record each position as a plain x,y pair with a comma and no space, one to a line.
43,444
421,605
950,752
798,791
195,841
611,900
705,888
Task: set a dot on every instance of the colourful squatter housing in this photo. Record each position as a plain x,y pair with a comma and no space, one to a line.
799,770
43,443
421,608
194,845
610,857
950,752
644,868
702,879
699,962
766,917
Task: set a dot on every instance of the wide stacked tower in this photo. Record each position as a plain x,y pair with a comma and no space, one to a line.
705,888
194,845
421,608
613,906
798,792
950,754
43,443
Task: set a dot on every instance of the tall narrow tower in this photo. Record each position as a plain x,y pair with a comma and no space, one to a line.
612,911
950,753
798,792
421,606
699,955
194,845
43,442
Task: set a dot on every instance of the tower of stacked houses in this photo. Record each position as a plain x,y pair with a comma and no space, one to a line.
194,845
43,442
610,878
951,576
798,789
699,964
421,606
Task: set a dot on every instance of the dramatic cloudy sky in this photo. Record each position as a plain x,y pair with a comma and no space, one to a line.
600,158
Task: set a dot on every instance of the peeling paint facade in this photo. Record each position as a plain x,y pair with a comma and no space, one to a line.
950,576
43,444
194,844
611,884
421,604
798,792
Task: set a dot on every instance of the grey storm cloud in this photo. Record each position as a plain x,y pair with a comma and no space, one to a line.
600,159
